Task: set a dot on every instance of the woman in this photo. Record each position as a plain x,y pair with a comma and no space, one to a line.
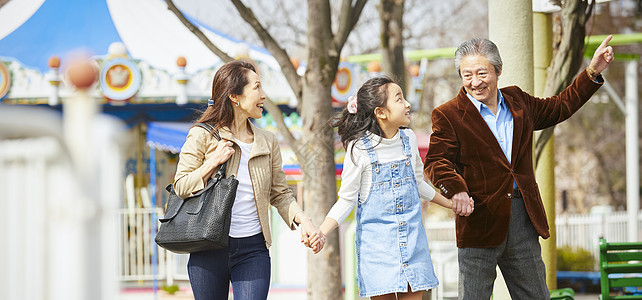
253,156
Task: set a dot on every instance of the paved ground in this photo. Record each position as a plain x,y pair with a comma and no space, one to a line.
185,294
275,294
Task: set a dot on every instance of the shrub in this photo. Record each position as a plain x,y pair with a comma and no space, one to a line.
574,259
170,289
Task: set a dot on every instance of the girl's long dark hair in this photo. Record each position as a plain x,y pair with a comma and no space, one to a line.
372,94
230,79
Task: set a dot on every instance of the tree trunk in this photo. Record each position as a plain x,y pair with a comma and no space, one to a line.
392,58
316,152
315,149
316,158
567,59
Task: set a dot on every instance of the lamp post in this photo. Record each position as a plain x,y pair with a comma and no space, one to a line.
54,79
181,79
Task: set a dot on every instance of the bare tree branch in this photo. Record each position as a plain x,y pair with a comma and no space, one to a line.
198,33
279,53
290,24
567,59
392,57
272,108
277,115
347,20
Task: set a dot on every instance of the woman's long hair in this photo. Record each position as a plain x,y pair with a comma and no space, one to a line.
230,79
372,94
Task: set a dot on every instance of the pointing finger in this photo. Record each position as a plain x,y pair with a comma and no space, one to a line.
606,41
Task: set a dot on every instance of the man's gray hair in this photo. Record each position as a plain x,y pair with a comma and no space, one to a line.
479,46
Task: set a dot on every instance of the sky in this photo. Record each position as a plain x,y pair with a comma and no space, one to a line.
429,23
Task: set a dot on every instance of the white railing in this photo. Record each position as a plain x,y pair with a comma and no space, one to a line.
584,231
135,261
58,217
573,230
136,244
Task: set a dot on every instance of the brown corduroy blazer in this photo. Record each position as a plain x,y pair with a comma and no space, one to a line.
266,172
464,156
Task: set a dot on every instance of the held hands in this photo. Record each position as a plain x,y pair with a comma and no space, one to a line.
463,205
601,59
311,236
317,241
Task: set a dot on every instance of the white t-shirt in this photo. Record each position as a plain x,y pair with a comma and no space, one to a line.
245,219
356,177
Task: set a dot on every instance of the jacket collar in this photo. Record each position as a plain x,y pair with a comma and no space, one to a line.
260,146
517,110
468,108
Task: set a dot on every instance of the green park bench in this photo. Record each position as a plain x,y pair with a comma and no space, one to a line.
563,294
621,267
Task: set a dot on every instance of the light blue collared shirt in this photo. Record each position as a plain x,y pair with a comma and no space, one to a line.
501,125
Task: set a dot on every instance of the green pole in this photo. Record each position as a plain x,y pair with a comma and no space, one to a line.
545,170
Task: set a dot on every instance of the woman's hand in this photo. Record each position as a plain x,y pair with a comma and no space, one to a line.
311,236
221,154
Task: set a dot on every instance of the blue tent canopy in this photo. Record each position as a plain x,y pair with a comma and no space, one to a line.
167,136
32,31
59,26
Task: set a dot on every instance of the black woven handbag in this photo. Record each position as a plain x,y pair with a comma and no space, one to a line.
200,222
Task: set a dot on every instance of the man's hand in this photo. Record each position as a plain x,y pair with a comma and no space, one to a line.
601,59
462,204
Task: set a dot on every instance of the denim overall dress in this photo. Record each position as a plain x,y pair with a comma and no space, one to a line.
392,248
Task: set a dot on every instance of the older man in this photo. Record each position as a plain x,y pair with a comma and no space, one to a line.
481,147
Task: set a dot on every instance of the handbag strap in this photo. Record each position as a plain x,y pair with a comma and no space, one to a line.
221,171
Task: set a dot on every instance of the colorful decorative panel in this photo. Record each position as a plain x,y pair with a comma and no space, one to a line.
120,79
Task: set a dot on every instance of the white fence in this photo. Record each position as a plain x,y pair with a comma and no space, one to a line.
584,231
136,247
574,230
135,262
57,224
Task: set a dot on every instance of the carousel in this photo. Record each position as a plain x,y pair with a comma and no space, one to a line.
154,76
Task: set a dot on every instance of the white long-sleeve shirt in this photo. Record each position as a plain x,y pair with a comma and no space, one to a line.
356,177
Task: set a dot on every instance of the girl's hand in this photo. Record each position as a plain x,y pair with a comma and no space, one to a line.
317,241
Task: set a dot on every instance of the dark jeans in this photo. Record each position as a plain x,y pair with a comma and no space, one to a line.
246,263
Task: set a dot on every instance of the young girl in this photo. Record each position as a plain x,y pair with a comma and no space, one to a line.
384,172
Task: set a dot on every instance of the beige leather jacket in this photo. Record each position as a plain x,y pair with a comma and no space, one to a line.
266,172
